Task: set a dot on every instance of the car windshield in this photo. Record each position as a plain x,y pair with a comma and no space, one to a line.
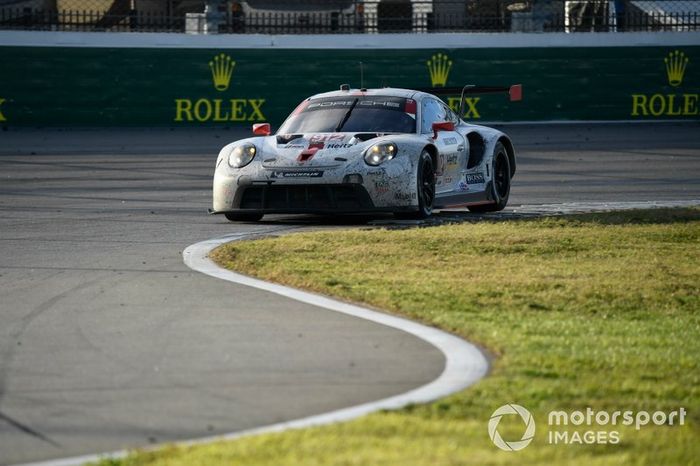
357,114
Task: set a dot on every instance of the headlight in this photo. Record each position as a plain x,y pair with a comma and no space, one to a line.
380,153
241,155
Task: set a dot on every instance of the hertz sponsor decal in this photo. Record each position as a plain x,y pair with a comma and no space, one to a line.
219,110
673,104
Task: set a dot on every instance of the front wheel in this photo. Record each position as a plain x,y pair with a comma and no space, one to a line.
500,184
242,216
425,184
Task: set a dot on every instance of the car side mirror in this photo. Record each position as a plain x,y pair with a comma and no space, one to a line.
442,126
262,129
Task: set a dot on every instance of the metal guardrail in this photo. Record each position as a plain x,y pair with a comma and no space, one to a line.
351,16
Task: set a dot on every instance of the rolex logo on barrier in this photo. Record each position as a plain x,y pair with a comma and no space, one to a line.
439,67
221,70
219,110
669,104
676,62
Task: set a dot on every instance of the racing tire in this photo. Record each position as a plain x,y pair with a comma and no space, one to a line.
500,184
242,216
425,181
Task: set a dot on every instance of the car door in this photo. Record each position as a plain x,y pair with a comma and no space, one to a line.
450,144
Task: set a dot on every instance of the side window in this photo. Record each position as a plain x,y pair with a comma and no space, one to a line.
451,115
431,111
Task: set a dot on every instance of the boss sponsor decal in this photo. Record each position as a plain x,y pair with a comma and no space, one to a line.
298,174
474,178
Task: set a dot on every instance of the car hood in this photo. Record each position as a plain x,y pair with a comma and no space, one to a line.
314,149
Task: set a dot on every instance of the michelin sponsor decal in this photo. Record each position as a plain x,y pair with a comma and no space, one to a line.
297,174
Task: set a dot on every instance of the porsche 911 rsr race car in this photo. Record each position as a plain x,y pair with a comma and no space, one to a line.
363,151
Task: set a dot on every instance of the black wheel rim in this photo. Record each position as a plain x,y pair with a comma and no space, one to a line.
501,176
427,186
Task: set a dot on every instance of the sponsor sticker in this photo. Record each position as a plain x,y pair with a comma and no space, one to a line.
474,178
297,174
404,196
381,186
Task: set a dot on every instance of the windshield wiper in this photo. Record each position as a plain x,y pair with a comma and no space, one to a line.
346,117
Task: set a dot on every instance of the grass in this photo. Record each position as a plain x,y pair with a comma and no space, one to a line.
597,311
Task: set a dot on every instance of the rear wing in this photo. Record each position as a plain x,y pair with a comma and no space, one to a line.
515,92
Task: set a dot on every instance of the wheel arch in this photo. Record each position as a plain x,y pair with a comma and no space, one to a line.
477,148
510,150
433,151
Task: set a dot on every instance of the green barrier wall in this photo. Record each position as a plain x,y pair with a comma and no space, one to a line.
54,86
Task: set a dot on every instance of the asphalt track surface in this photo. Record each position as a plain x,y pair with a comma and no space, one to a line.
108,341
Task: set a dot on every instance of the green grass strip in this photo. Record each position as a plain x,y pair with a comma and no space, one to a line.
599,311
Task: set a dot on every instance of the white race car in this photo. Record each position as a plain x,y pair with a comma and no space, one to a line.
363,151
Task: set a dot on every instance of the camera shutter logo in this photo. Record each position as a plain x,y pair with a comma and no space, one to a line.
524,415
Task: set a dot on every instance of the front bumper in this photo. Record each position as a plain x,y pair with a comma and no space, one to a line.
306,198
329,190
303,198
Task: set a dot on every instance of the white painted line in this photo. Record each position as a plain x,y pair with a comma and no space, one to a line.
465,363
596,206
471,40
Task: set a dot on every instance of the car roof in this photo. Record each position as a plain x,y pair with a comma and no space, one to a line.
385,91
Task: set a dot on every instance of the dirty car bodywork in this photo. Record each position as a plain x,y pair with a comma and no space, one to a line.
360,151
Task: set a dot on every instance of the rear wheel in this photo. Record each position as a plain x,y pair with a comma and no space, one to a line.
500,184
243,216
425,181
